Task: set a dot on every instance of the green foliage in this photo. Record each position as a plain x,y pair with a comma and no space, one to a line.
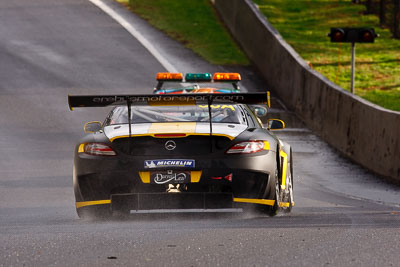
195,24
304,24
389,99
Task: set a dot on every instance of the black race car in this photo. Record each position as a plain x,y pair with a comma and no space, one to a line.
163,153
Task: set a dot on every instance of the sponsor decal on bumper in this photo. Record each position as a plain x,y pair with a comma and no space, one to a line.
168,163
170,177
195,176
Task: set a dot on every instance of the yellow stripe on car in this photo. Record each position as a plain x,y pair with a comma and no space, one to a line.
284,168
81,148
145,177
187,134
172,127
285,204
195,176
266,145
92,203
181,129
269,202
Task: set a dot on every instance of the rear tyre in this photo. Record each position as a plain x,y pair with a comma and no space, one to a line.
273,210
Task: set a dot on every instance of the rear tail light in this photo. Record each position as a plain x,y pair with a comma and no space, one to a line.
229,177
99,149
248,147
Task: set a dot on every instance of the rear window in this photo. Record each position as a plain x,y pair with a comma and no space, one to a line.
221,113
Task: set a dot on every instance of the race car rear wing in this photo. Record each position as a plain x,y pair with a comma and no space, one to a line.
167,100
181,99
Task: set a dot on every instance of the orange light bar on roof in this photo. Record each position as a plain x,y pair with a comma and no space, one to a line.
169,76
228,77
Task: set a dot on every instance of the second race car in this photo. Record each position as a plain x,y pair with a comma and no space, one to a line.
176,83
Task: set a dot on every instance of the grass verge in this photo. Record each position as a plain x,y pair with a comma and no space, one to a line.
305,24
193,23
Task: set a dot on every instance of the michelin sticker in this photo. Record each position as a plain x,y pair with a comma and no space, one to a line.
163,163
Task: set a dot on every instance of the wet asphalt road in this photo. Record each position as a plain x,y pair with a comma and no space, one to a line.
344,216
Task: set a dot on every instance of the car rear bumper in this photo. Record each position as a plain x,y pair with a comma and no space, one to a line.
244,179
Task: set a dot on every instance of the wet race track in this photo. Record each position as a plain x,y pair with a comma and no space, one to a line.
344,216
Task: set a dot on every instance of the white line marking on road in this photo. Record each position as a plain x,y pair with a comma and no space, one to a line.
135,33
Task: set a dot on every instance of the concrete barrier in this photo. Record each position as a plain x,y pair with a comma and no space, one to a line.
366,133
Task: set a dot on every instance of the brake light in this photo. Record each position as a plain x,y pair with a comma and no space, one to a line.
227,77
229,177
99,149
248,147
168,76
